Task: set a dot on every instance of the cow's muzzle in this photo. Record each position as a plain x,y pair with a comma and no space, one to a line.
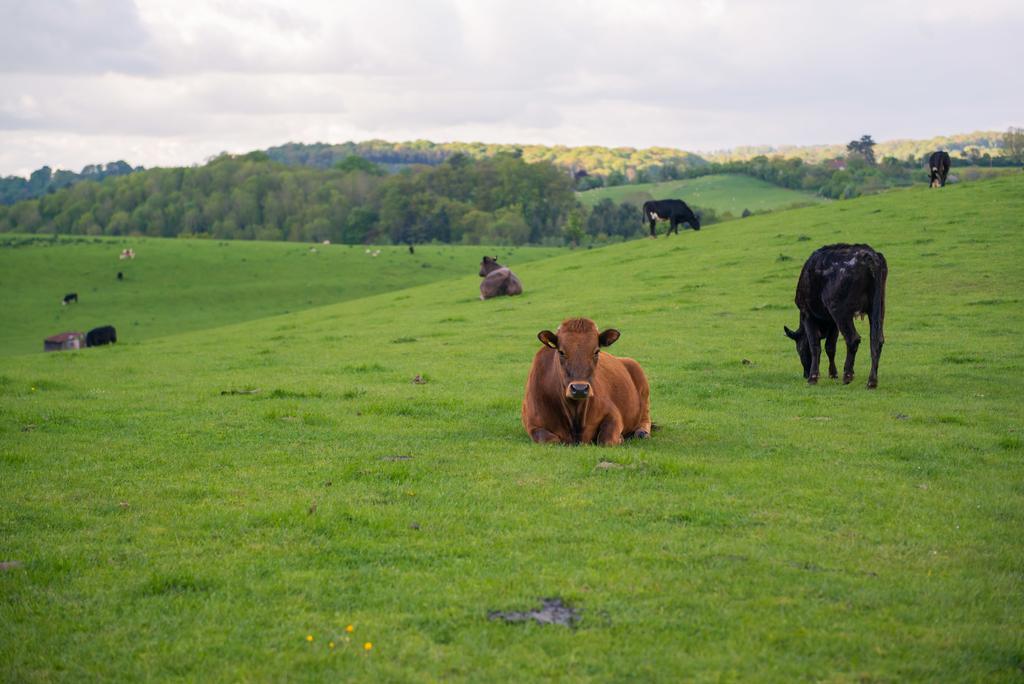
578,390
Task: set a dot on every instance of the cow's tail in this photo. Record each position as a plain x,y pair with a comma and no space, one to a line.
880,273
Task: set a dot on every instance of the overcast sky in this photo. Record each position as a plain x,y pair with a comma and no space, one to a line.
171,82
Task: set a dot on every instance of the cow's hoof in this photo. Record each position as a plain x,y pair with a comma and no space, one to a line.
847,378
641,434
872,383
832,375
812,380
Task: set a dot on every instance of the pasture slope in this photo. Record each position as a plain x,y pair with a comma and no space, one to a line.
769,531
722,192
182,285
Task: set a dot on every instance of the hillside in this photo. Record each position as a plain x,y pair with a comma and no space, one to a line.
723,193
499,200
594,159
177,286
985,142
224,504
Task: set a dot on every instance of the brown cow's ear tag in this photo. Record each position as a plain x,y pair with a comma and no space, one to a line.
608,337
548,338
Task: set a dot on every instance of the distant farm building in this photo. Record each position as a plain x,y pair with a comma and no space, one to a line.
64,341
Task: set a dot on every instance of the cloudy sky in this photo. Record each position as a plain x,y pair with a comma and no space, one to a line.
169,82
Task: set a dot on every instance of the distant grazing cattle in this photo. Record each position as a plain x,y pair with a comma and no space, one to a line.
68,298
578,394
120,275
837,283
100,336
938,169
672,210
127,254
498,280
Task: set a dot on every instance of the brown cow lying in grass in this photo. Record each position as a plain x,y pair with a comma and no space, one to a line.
498,280
578,394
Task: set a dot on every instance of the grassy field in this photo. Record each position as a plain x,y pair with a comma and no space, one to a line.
725,192
220,505
180,285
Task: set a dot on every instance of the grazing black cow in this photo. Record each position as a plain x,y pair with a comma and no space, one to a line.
98,336
68,298
120,275
938,169
672,210
837,283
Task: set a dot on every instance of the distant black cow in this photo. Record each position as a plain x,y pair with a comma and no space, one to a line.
837,283
120,275
99,336
672,210
938,169
68,298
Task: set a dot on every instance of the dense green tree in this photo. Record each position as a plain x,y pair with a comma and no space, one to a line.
863,147
1013,144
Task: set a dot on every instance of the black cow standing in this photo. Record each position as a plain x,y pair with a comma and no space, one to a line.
837,283
71,297
938,169
98,336
672,210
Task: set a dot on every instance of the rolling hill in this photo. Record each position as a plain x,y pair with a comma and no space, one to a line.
724,193
182,285
277,499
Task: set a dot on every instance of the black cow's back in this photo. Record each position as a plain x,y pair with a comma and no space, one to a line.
840,273
105,334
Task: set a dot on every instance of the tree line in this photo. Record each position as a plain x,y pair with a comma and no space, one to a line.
501,199
611,165
42,181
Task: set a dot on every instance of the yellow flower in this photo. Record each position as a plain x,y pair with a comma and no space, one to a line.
367,646
331,645
350,629
309,637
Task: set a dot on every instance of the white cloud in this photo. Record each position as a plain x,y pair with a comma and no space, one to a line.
161,82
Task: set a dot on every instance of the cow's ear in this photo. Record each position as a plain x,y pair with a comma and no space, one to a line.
790,334
548,338
608,337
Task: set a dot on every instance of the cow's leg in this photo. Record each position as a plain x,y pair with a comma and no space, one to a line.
813,333
643,389
609,433
852,338
543,436
653,234
877,341
831,337
674,228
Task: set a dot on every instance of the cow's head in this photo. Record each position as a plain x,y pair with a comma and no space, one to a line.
488,264
578,344
694,220
802,347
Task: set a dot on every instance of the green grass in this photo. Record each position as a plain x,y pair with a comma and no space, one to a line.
180,285
769,531
725,192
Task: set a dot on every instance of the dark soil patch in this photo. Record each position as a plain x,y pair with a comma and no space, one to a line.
553,611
